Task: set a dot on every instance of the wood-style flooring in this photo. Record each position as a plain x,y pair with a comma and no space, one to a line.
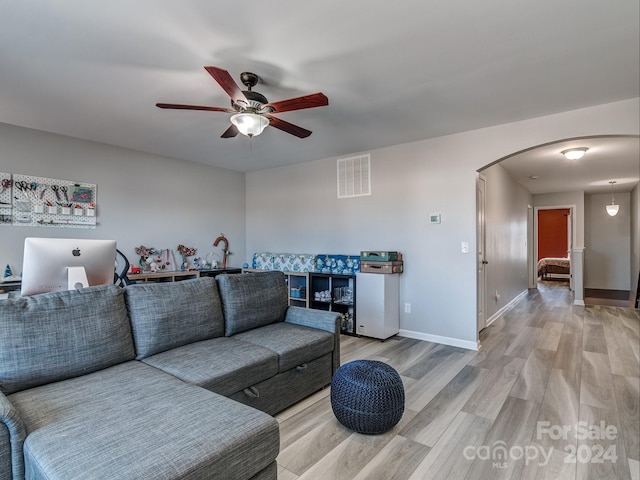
553,393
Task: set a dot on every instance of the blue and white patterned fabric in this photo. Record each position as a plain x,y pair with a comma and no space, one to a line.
338,264
285,262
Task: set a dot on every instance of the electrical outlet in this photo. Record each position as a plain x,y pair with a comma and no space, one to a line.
407,308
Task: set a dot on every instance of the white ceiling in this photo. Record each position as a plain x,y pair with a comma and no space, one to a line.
394,72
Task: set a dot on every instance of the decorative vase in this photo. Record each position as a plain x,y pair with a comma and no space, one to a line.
185,263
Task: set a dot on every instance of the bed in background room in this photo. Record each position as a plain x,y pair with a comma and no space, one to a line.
553,266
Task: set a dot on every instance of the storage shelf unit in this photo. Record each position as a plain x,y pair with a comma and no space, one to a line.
297,284
335,293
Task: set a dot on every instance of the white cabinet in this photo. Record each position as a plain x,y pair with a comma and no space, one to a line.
378,304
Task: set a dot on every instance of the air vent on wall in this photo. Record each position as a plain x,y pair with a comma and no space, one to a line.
354,176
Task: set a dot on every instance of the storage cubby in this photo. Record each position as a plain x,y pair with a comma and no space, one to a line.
335,293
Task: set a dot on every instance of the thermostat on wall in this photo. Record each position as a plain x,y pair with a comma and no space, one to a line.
434,218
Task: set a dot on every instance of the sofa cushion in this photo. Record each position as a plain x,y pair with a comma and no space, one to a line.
222,365
169,315
134,421
252,300
294,344
59,335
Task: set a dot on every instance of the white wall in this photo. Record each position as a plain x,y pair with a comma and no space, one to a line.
506,212
141,198
607,255
295,209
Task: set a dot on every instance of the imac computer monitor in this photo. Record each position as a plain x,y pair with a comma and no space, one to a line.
53,264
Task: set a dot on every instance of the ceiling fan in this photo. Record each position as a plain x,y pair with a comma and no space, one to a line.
252,111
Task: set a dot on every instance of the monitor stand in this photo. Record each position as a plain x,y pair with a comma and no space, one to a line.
77,278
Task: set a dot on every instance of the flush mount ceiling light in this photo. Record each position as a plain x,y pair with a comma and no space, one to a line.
574,153
612,209
249,124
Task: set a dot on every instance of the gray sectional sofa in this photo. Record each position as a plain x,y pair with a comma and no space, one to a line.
156,381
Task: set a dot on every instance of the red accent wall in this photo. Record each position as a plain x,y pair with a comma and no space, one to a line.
553,233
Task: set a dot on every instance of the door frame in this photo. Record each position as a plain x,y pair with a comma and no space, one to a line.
570,240
481,245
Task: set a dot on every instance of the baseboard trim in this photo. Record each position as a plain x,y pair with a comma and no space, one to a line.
507,307
452,342
579,302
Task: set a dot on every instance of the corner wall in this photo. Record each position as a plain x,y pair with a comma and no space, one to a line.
607,255
141,198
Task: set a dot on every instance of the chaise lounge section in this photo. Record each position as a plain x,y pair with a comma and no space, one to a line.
156,380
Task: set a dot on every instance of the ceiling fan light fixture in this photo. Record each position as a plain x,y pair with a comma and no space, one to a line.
612,209
249,124
574,153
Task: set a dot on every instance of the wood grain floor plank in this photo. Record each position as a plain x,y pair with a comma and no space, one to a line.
420,392
512,430
532,381
559,409
627,394
397,460
601,452
550,336
545,466
569,353
524,342
430,422
593,338
596,384
453,454
491,394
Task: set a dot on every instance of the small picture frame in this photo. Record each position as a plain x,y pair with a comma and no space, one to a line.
435,218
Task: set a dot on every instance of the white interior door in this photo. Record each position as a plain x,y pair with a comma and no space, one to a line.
481,245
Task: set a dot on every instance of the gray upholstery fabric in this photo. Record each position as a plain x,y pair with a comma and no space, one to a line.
168,315
327,321
12,435
132,421
287,388
252,300
222,365
294,344
53,336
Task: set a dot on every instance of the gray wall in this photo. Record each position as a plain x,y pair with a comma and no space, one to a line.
141,198
607,255
295,209
507,204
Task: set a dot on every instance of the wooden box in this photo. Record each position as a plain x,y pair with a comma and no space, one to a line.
381,267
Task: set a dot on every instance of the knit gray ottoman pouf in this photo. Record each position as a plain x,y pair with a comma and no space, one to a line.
367,396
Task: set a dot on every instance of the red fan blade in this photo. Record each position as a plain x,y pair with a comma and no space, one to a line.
306,101
288,127
179,106
227,83
232,131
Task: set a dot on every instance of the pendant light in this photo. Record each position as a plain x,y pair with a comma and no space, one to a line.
612,209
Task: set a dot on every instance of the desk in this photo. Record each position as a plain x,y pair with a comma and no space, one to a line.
177,275
10,286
